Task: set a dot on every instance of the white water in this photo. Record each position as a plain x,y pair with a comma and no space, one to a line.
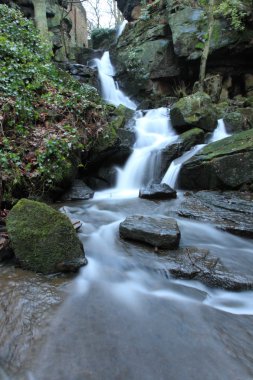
121,29
220,132
110,91
171,176
154,132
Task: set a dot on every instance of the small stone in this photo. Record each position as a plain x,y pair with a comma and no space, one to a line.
157,191
159,231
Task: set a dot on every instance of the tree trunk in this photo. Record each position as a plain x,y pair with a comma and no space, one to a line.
205,53
40,17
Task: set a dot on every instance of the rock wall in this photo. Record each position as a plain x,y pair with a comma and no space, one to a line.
67,25
159,53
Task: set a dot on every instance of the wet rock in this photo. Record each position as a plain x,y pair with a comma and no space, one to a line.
71,265
157,191
194,111
79,191
42,237
224,164
228,211
198,264
158,231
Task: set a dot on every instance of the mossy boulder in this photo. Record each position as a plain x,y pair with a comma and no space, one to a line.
43,239
238,120
224,164
191,138
194,111
103,38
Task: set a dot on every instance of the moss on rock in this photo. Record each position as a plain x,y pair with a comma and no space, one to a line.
41,237
194,111
224,164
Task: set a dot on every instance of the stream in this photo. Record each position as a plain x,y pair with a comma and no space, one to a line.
123,318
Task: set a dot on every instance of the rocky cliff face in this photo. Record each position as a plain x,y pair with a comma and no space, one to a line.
159,51
67,25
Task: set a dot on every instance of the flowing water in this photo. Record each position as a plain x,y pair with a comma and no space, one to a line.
123,319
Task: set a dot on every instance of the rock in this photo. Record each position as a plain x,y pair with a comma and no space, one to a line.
234,122
224,164
157,191
103,38
79,191
158,231
42,237
126,7
212,86
239,120
71,265
228,211
194,111
112,149
191,263
166,155
144,57
6,253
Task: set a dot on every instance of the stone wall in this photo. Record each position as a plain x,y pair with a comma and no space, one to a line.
78,33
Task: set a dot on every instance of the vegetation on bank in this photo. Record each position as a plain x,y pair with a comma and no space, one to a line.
46,117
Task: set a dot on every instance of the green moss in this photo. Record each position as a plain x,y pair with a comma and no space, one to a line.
41,237
237,143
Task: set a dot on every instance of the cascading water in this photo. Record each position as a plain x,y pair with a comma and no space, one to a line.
110,92
171,176
154,132
126,322
220,132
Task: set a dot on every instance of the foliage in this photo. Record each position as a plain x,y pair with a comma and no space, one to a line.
46,117
232,9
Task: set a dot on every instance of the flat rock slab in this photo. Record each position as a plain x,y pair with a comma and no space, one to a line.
191,263
78,192
158,231
229,211
157,191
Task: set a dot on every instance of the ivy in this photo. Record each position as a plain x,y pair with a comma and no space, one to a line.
45,115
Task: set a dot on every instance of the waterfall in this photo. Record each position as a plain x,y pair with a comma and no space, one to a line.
121,28
154,132
171,176
110,91
220,132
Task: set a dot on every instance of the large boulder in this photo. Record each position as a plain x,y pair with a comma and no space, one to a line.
43,239
194,111
144,57
157,231
239,120
224,164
